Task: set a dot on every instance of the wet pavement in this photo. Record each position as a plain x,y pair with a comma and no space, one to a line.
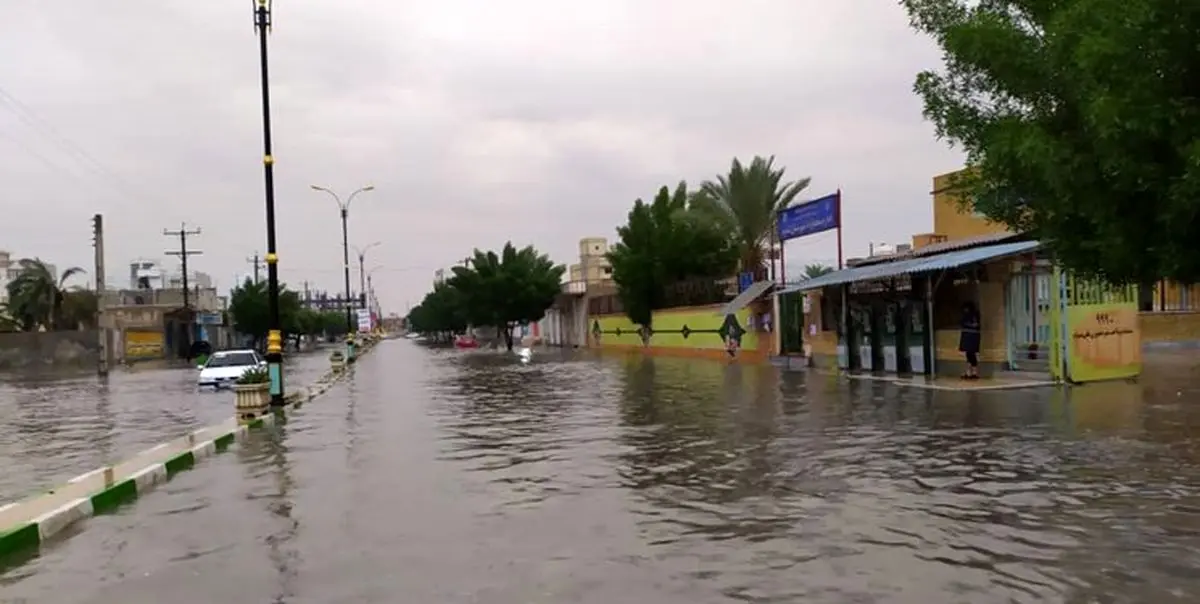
54,427
436,476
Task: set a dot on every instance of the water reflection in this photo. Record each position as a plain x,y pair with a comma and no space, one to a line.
1030,496
269,456
55,425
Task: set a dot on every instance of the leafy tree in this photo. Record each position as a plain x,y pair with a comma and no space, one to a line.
662,243
511,288
36,299
1080,124
441,314
248,307
745,203
812,271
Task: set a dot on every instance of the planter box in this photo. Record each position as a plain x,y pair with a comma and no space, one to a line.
337,360
251,399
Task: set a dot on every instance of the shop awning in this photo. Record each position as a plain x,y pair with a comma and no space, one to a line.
744,299
911,266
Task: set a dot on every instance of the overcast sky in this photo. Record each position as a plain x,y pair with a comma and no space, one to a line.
478,122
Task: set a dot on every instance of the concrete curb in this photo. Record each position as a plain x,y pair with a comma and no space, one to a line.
27,524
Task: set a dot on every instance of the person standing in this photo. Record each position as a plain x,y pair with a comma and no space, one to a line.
969,339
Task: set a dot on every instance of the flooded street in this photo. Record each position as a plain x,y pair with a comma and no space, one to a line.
435,476
56,426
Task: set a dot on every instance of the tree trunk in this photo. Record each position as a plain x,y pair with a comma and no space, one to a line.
508,338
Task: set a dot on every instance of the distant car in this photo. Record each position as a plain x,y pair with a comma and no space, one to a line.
225,367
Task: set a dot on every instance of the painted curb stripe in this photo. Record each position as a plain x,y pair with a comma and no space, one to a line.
114,496
28,537
222,442
179,463
19,539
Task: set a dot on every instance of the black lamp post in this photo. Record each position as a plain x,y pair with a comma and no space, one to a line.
262,23
344,208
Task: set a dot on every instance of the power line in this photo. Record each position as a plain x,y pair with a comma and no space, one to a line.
65,145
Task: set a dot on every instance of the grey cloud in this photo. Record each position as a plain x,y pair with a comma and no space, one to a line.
478,122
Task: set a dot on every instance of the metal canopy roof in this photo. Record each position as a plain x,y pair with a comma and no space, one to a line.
887,270
746,297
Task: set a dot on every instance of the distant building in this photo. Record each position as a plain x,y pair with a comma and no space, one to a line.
195,279
593,266
146,274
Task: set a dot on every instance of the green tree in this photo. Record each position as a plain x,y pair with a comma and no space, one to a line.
812,271
663,243
1080,124
36,299
440,315
248,307
514,287
745,203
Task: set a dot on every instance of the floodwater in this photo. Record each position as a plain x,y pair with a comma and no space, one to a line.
436,476
55,426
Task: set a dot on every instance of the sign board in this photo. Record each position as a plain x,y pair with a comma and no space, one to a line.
1104,341
143,345
209,318
745,280
816,216
364,319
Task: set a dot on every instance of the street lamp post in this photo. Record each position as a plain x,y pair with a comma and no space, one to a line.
345,211
362,277
373,302
262,23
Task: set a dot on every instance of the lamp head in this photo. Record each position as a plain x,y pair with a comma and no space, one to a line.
369,188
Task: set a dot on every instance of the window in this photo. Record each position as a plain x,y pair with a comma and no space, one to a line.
233,359
608,271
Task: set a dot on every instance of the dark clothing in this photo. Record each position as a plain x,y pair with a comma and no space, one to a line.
968,338
973,359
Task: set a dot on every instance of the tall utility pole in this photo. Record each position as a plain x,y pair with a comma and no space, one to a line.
183,254
257,263
101,322
262,24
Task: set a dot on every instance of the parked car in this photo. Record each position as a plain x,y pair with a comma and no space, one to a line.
225,367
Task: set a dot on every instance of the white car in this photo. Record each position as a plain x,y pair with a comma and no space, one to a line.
225,367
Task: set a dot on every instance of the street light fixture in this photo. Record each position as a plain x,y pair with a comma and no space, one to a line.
344,208
262,23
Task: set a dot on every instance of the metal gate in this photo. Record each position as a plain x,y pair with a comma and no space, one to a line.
1096,334
1030,319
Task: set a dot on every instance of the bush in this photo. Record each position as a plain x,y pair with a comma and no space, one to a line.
257,375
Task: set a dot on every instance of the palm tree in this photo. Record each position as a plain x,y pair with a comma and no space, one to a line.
812,271
36,299
745,204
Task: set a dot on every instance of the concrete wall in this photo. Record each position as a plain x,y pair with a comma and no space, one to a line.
688,331
34,350
1170,329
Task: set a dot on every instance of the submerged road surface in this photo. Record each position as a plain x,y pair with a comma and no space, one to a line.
54,427
442,477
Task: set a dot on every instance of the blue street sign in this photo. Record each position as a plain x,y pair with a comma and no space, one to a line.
816,216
